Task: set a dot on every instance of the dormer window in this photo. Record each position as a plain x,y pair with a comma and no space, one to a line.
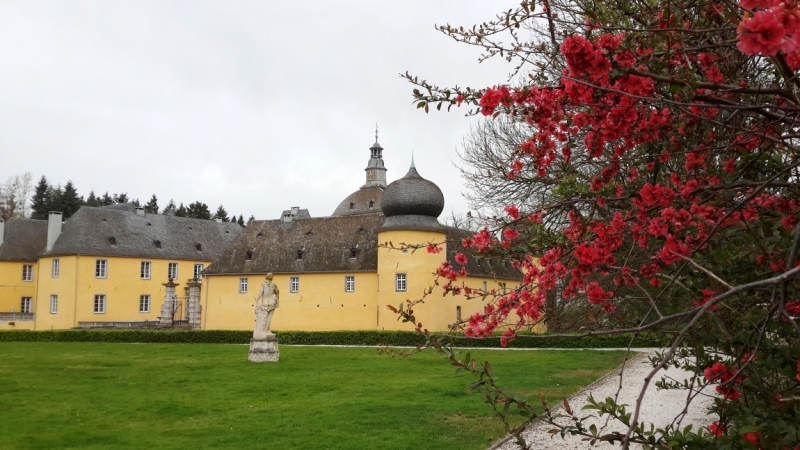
352,205
360,229
260,235
199,247
309,233
112,241
149,225
104,220
157,244
299,254
249,255
191,228
353,253
371,204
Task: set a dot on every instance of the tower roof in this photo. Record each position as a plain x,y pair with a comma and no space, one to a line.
412,202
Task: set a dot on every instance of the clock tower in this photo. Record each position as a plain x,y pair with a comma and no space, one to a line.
376,172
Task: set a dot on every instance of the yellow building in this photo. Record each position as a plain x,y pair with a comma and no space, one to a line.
107,266
21,240
333,274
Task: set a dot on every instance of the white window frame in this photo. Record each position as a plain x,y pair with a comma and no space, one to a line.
485,287
350,283
244,285
26,305
54,304
294,284
400,282
27,272
56,268
144,300
146,270
99,305
101,268
198,274
169,271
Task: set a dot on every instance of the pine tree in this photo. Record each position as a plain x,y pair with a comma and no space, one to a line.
121,198
241,220
250,220
221,214
181,211
136,203
70,200
39,200
106,200
55,198
152,206
170,208
198,210
92,200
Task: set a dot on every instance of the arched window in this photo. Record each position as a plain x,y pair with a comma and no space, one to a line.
353,253
157,244
299,254
112,241
352,205
249,255
371,204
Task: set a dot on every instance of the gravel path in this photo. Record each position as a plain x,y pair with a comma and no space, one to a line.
659,407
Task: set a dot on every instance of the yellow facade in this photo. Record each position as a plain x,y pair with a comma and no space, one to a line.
322,304
77,285
12,285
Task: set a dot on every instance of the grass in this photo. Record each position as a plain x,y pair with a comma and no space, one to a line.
177,396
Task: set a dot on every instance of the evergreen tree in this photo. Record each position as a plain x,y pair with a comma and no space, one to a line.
250,220
136,203
106,200
241,220
181,211
39,201
70,200
221,214
170,208
198,210
121,198
152,206
92,200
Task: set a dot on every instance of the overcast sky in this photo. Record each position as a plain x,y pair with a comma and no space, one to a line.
258,105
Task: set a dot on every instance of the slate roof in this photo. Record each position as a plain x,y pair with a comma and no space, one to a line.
479,267
360,200
90,231
325,242
412,195
24,239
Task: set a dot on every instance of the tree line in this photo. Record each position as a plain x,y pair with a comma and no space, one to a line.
49,197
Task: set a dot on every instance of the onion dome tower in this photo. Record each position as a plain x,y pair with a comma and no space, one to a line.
412,203
367,199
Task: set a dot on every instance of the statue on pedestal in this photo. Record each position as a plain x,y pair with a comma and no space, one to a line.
264,345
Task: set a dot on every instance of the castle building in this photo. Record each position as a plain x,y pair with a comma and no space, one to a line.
334,274
21,240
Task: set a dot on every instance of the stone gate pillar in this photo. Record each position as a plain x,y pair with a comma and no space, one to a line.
193,308
168,308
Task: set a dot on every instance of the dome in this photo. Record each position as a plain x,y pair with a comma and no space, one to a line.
412,195
362,201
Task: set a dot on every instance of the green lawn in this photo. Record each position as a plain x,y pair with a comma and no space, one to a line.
179,396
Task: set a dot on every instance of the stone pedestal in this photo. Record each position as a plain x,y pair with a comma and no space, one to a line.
193,308
167,317
264,350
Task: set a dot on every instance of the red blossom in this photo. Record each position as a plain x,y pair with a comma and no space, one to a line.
461,259
717,429
763,34
511,234
434,248
512,211
752,437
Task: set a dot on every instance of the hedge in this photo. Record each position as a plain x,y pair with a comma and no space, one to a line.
365,338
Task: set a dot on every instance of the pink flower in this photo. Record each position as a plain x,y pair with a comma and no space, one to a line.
461,259
511,234
753,4
717,429
512,211
763,34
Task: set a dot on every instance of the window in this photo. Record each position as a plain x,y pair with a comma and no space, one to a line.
353,253
199,247
172,271
350,283
294,284
198,272
101,268
371,204
25,306
485,287
27,272
145,270
352,205
144,303
99,304
243,285
248,256
299,254
56,267
53,304
112,241
503,285
157,244
400,283
458,313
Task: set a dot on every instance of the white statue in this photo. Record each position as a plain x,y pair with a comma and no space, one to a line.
266,303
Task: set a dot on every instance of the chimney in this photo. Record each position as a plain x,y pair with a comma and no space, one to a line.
139,211
218,220
53,229
2,231
295,210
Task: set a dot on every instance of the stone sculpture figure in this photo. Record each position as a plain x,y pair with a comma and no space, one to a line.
264,345
267,301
